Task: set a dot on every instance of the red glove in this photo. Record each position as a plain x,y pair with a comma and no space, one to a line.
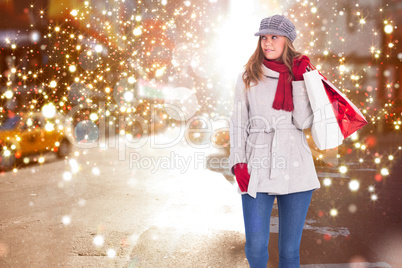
299,68
242,176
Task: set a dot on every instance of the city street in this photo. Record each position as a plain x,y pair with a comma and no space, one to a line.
96,210
111,113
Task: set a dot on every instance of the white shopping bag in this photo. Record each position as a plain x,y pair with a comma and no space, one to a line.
325,129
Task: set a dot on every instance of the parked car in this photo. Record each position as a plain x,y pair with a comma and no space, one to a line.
218,159
30,134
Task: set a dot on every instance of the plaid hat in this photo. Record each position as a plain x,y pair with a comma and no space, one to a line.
279,25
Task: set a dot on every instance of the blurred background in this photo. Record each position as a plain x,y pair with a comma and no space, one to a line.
128,56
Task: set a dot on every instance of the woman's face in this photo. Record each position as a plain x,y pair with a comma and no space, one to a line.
272,45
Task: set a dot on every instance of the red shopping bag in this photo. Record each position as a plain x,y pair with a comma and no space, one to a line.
348,117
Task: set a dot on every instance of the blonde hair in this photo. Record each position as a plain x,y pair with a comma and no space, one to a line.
253,70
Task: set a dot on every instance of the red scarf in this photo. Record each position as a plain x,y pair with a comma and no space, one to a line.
283,96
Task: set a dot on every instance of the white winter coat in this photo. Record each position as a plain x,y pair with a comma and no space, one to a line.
261,135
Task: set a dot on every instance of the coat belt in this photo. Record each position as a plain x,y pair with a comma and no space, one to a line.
282,149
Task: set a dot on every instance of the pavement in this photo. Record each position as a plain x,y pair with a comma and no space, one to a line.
120,207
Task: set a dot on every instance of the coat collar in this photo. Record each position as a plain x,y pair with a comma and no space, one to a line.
268,72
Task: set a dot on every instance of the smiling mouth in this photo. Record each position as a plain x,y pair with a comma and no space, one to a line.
268,50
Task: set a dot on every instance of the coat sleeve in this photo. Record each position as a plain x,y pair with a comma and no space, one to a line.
302,114
238,125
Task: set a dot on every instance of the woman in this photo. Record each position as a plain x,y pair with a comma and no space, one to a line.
269,154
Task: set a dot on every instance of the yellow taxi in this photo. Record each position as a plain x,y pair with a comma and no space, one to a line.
22,135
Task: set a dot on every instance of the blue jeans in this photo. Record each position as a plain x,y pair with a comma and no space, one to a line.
292,211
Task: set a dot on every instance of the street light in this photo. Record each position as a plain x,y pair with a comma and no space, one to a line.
388,28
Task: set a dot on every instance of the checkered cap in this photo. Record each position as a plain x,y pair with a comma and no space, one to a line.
279,25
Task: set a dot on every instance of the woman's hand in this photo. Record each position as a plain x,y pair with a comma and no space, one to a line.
242,176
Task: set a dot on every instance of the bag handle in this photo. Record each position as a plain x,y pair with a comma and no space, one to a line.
311,67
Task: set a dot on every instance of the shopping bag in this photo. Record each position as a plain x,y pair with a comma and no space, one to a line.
335,116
